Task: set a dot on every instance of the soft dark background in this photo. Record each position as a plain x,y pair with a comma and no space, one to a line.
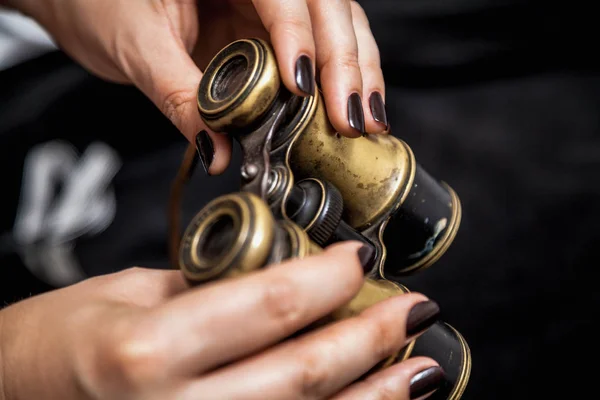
498,98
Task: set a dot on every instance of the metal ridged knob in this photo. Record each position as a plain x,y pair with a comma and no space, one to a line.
317,207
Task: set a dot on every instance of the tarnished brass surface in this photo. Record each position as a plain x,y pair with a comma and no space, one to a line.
300,244
371,293
372,173
241,94
253,237
239,85
245,243
251,243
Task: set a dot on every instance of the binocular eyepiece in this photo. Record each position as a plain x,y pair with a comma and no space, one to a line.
388,198
237,234
304,186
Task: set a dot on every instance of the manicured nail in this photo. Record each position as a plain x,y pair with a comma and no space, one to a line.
206,150
421,317
378,108
305,78
356,117
426,381
366,256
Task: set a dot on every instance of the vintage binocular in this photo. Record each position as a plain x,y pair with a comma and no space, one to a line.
304,186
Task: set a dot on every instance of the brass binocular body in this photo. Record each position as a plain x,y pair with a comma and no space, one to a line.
304,186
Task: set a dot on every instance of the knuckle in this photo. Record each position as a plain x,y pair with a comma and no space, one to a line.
346,60
175,105
372,65
125,276
134,360
293,26
314,376
115,279
282,302
134,271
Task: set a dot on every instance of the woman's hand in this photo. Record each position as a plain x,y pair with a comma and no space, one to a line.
144,334
149,42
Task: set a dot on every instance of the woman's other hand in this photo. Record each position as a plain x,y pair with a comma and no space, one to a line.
144,334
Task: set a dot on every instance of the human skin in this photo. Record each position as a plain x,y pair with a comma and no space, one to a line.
160,47
144,334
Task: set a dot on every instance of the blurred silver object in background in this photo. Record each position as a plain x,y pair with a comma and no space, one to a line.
21,38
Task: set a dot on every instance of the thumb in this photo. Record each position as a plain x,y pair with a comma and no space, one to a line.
166,73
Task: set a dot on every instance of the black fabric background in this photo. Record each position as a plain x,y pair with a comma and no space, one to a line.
498,98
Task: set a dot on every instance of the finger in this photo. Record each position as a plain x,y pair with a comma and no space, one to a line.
372,75
221,322
143,286
415,378
289,26
318,364
160,66
337,62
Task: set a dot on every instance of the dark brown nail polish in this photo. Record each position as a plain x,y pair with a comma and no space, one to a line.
378,108
305,77
426,381
421,317
366,256
356,117
206,150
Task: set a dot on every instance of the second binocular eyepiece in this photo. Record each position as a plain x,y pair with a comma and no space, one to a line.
410,217
236,234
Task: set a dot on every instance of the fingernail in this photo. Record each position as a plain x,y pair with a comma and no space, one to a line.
206,150
366,256
421,317
305,78
378,108
426,381
356,117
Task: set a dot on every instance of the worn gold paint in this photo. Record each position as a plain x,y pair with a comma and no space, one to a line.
251,103
300,244
371,293
372,173
254,225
